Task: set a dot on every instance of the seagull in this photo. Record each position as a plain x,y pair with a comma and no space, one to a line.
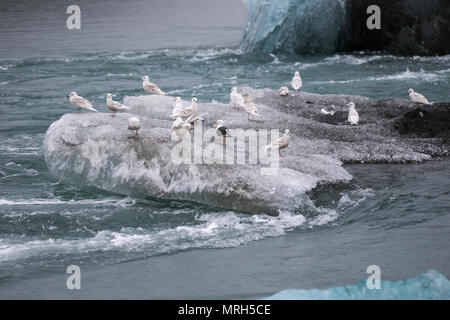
330,110
191,109
114,106
236,99
177,109
282,143
353,116
180,128
193,119
249,106
134,124
80,103
296,82
151,88
417,97
283,91
221,130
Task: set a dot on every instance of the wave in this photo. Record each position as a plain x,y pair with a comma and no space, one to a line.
222,229
421,75
430,285
58,201
214,230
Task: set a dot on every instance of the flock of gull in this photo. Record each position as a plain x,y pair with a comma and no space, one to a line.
186,117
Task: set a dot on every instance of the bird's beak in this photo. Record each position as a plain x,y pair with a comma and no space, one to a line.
214,122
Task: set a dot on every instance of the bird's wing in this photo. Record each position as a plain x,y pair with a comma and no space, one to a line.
152,88
284,141
223,130
177,124
253,108
194,118
120,106
237,99
421,98
82,103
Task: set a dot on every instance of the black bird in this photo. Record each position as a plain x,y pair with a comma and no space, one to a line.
222,130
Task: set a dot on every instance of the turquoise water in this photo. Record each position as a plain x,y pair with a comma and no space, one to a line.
46,225
395,216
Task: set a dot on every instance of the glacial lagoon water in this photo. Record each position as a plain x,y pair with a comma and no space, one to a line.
392,215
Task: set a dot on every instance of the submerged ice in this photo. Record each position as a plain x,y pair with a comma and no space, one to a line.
95,150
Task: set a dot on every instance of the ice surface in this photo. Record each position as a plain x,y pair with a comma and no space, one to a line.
97,150
296,25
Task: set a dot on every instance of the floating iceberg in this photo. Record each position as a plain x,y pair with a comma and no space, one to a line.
96,150
322,26
430,285
294,25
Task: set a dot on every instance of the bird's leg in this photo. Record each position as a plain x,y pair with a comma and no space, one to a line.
79,111
137,132
279,152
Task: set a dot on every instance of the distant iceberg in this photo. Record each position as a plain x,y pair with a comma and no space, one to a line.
430,285
322,26
294,25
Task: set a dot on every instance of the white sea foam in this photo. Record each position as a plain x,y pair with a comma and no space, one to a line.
58,201
216,230
347,201
208,54
421,75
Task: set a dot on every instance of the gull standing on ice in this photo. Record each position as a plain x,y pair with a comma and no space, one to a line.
134,124
80,103
177,109
114,106
282,143
193,119
250,106
221,130
180,128
417,97
353,116
151,88
191,109
283,91
296,82
236,99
